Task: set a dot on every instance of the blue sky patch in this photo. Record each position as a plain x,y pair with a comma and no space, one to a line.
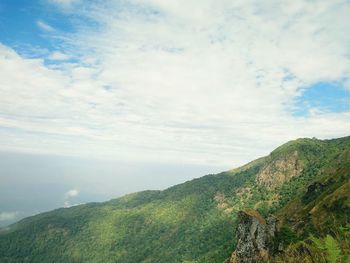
20,26
323,97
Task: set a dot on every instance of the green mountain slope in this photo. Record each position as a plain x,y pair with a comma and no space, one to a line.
194,221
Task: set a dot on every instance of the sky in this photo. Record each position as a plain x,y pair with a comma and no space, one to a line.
102,98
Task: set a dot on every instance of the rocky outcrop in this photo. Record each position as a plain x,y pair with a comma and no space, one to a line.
276,172
254,237
316,189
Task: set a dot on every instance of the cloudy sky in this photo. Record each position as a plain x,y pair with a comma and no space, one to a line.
101,98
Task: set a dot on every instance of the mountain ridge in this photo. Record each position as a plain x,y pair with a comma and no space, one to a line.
190,222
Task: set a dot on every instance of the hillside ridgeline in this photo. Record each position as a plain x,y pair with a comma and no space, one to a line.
304,184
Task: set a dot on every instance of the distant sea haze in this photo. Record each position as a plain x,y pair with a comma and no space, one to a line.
32,183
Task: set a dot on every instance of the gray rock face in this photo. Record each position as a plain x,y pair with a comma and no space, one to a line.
254,237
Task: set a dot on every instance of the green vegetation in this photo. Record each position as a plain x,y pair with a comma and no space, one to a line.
195,221
327,249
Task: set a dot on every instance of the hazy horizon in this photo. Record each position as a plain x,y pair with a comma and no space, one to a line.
34,183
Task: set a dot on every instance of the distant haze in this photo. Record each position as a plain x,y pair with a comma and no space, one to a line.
35,183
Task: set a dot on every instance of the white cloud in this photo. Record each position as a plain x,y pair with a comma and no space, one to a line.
57,55
67,204
65,4
69,195
44,26
7,216
72,193
182,81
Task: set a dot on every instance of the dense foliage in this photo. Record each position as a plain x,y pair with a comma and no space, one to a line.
327,249
193,221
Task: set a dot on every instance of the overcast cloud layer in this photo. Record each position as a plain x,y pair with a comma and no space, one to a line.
175,81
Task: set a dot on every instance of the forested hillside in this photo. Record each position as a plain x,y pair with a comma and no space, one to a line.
305,183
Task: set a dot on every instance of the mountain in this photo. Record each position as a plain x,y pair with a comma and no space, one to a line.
305,183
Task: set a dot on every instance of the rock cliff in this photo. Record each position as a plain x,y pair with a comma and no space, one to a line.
254,237
276,172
